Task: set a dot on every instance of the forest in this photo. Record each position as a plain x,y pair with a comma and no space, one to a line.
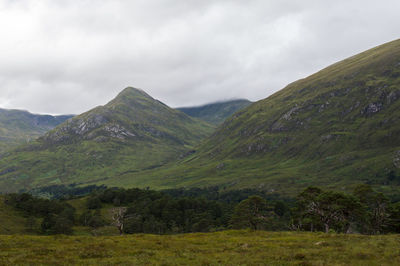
175,211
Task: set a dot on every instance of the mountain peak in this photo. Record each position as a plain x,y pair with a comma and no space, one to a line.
131,91
131,133
132,96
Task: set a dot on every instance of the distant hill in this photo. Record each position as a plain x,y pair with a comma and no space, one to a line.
131,133
334,129
216,113
18,126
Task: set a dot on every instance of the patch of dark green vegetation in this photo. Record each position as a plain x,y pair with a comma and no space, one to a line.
64,191
43,215
137,210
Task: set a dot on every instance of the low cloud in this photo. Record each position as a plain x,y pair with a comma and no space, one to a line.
69,56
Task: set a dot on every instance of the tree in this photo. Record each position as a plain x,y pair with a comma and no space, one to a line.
56,224
377,208
31,224
394,217
117,216
330,209
92,218
251,212
280,208
96,220
48,224
62,226
302,218
93,202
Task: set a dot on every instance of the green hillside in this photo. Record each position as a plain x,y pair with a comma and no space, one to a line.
131,133
18,126
216,113
334,129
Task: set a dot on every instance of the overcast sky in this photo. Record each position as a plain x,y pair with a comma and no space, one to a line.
68,56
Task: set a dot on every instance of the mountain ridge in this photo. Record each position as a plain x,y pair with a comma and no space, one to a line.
335,128
216,113
131,132
20,126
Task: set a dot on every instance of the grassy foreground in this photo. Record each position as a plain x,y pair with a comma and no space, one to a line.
221,248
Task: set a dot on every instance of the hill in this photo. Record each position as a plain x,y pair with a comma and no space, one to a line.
334,129
18,126
131,133
216,113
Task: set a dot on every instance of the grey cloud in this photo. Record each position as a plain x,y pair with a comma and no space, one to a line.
69,56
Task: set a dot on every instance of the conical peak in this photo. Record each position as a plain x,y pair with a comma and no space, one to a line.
131,91
130,96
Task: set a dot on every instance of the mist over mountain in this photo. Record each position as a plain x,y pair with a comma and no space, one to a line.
336,128
216,113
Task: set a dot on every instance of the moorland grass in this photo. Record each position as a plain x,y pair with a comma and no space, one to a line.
220,248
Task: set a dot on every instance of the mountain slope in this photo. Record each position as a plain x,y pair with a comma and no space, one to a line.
216,113
335,128
131,133
18,126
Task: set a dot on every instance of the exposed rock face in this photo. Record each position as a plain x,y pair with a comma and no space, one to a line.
87,129
132,115
256,148
82,126
396,159
326,137
220,166
288,115
393,96
117,131
372,108
78,127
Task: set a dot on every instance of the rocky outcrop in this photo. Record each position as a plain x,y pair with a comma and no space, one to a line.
117,131
75,127
396,159
392,97
372,108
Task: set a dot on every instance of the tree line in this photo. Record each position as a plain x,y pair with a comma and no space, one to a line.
203,210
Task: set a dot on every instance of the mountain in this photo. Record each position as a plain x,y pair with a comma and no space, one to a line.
336,128
18,126
216,113
131,133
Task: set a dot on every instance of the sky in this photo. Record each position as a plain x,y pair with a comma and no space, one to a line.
66,57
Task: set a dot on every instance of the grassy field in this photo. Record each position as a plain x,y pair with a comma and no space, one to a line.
221,248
